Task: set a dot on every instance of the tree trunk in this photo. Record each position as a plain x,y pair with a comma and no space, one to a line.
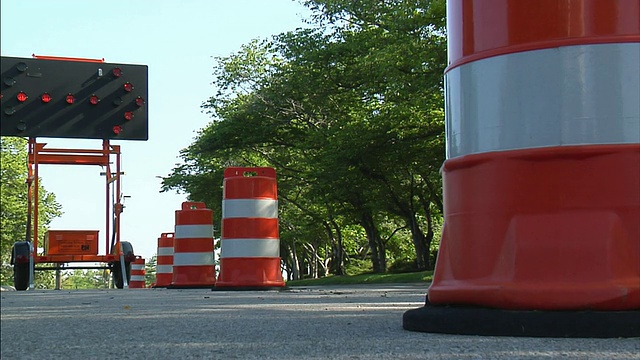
295,264
378,253
314,262
434,195
309,260
429,237
419,243
382,252
337,249
323,264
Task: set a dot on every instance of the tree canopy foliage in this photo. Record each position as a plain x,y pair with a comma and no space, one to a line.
13,195
85,279
150,271
349,111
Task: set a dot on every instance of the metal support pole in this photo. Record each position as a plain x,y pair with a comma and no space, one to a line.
123,268
31,267
58,282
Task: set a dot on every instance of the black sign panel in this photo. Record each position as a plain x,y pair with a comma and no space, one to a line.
66,98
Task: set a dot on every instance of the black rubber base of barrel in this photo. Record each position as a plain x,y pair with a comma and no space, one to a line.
463,320
248,288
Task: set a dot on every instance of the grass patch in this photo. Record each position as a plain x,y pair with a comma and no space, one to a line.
423,276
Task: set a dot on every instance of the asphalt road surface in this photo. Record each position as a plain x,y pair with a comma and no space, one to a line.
346,322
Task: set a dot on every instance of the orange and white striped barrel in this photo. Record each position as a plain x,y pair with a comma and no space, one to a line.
193,264
164,260
250,242
542,177
138,272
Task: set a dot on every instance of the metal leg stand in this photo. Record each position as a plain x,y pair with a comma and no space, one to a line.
58,282
31,267
125,283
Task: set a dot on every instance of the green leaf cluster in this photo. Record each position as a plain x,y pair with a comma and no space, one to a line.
150,271
13,204
85,279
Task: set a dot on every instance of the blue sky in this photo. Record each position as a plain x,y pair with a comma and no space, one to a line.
177,39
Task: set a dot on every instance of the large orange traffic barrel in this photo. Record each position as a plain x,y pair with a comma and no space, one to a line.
542,177
193,264
164,260
250,242
138,272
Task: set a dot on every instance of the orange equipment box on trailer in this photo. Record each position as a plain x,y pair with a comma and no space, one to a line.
71,242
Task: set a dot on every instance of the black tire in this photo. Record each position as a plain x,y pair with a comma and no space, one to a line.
21,276
20,252
127,250
116,272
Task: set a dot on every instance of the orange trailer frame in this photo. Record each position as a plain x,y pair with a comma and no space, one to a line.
39,154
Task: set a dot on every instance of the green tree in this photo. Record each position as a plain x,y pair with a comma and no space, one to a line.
351,115
13,201
150,271
404,63
85,279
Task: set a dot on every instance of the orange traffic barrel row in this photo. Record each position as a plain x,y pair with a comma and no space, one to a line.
250,242
193,259
164,260
138,272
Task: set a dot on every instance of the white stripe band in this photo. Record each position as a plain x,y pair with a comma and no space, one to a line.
137,267
252,208
192,259
164,269
571,95
165,251
193,231
230,248
137,278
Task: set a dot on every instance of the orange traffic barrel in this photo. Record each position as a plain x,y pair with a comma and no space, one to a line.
193,264
137,273
542,177
250,242
164,260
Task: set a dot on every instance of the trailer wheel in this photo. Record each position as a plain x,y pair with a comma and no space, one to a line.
21,276
116,269
116,272
20,253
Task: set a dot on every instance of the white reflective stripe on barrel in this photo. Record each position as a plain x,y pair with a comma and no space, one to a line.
249,248
137,278
165,251
249,208
571,95
193,231
164,269
137,267
192,259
